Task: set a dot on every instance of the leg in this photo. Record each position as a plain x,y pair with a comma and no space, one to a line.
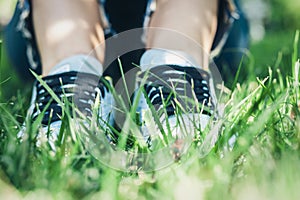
67,31
179,40
64,28
197,19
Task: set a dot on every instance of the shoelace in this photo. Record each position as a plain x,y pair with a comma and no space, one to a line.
165,83
77,87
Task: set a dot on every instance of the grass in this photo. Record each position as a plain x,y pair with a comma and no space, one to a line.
261,115
276,45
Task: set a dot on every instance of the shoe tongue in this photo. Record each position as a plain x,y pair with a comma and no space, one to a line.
155,57
79,63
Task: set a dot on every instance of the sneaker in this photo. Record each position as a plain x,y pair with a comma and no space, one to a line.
177,102
78,88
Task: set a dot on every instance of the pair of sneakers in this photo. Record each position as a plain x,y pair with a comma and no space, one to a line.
174,101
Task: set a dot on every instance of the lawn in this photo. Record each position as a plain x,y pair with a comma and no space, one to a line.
256,155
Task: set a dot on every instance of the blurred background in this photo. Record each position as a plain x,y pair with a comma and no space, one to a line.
273,24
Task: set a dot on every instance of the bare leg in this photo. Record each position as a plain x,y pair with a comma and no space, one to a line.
66,27
196,19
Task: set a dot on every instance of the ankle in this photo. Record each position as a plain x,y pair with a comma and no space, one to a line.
156,57
79,63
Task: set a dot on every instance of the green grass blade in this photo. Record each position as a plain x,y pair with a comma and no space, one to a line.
295,51
124,81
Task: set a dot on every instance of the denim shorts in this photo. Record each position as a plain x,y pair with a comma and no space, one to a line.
23,52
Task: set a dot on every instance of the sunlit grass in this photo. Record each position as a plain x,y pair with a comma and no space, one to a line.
256,155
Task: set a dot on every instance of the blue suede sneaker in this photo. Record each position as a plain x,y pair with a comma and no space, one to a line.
178,101
80,90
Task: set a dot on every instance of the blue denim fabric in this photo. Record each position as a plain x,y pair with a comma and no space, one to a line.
23,52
